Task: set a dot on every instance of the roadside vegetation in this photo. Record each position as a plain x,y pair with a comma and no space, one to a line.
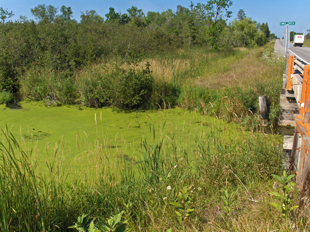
40,60
307,43
149,122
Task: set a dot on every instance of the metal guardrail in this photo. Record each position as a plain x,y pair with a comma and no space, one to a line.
299,63
301,141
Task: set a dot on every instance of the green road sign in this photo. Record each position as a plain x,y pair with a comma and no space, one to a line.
287,23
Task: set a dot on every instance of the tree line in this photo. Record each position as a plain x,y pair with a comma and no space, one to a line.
56,42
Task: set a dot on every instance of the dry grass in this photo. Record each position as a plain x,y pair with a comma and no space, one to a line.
166,69
239,71
242,69
163,69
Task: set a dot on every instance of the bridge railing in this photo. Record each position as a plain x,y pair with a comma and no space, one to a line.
293,78
299,63
301,141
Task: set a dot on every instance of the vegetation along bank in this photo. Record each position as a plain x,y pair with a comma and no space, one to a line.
141,122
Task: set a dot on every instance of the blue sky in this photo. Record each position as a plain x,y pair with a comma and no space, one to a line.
271,11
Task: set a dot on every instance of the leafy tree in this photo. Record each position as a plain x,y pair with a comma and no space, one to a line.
66,13
200,23
135,12
189,29
112,15
42,12
124,19
155,18
273,36
91,16
23,19
265,29
5,14
246,33
241,14
136,16
217,13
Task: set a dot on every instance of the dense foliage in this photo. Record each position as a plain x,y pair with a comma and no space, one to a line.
56,47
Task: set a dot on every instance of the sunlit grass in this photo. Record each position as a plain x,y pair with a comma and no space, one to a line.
86,138
307,43
220,157
103,161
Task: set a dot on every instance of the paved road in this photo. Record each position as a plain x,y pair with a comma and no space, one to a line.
302,52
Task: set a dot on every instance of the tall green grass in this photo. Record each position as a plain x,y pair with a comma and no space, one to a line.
145,189
235,103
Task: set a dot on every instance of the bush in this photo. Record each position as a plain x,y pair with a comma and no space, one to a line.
124,89
6,97
130,89
165,94
94,92
36,83
65,91
8,79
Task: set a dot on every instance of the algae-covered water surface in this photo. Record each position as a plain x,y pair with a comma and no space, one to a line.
87,138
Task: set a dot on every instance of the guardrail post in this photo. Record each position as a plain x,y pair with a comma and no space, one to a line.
290,72
305,95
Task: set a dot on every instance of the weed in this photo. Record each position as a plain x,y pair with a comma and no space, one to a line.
183,205
228,201
285,197
113,224
83,224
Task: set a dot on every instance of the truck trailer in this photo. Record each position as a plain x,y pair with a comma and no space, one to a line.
298,40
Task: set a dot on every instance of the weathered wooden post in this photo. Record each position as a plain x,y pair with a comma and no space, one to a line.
284,83
263,109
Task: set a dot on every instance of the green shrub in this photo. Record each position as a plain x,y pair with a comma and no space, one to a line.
6,97
8,79
94,92
165,94
65,91
36,83
130,89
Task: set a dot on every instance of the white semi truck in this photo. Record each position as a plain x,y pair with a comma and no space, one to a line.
299,40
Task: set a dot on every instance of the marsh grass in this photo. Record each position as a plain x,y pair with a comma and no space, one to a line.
103,171
218,161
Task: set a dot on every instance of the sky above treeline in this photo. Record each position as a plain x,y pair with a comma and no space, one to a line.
271,11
